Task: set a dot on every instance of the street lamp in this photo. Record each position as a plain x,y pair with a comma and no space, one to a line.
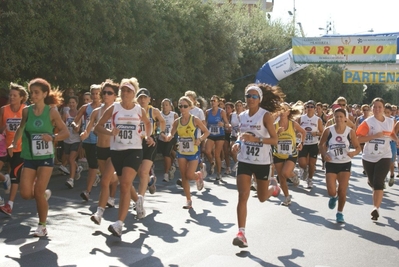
292,13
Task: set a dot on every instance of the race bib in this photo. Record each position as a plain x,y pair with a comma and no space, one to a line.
186,145
284,147
252,150
214,129
125,135
375,146
12,124
338,151
309,138
41,147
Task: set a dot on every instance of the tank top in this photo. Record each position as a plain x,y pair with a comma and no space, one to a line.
378,148
338,145
212,121
33,147
310,125
254,152
92,138
186,137
286,144
74,137
100,112
12,120
234,124
152,121
169,120
128,122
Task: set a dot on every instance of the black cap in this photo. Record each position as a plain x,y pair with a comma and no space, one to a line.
143,91
311,102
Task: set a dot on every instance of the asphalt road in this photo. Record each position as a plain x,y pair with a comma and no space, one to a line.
303,234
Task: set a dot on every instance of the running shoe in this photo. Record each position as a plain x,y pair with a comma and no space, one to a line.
223,165
203,170
240,240
295,180
7,183
228,171
152,188
235,167
85,195
179,182
375,214
218,177
69,183
40,231
96,218
273,182
47,194
287,201
176,163
253,184
332,202
111,202
166,177
115,229
1,201
64,170
97,180
189,205
212,168
340,217
310,183
200,181
305,174
171,172
6,209
78,172
391,181
140,211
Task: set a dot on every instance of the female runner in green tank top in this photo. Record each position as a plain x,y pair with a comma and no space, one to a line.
36,130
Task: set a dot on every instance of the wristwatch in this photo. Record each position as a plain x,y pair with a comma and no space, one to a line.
260,140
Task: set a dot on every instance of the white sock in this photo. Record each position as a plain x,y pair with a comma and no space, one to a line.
242,230
11,203
100,211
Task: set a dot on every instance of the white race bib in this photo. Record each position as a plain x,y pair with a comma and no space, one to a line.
186,145
125,135
284,147
214,129
41,147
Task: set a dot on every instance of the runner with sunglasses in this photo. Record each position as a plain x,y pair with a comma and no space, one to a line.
257,135
308,155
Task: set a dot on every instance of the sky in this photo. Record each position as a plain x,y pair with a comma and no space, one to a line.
347,16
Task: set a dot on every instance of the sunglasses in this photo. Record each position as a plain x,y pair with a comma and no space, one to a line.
252,96
108,93
342,105
310,106
183,106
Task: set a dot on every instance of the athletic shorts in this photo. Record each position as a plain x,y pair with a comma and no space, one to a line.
227,137
16,164
68,148
216,138
91,155
165,148
338,167
196,156
126,158
261,172
36,163
103,153
150,152
278,160
311,150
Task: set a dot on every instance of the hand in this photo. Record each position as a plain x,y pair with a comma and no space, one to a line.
351,154
115,131
299,146
11,150
280,130
235,148
149,141
47,137
327,158
83,135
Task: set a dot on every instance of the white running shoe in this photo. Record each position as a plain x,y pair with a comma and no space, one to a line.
7,183
287,201
78,172
166,177
69,182
1,201
111,202
204,171
235,167
228,171
140,211
115,229
171,173
223,165
305,174
200,181
47,194
152,188
97,180
40,231
295,180
64,170
96,218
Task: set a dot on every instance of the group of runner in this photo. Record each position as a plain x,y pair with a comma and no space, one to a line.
122,132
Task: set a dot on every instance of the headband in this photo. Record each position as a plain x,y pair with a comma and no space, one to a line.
257,89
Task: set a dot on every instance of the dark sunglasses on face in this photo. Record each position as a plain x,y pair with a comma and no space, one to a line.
108,93
183,106
310,106
252,96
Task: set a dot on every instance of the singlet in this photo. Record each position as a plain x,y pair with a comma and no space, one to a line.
169,120
338,145
254,152
310,125
235,121
74,137
128,123
33,147
92,138
186,137
152,121
107,125
199,113
378,148
212,121
286,144
12,120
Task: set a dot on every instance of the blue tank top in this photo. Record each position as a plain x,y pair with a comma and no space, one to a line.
92,139
213,121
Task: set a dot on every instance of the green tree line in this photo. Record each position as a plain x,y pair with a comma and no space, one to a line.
170,46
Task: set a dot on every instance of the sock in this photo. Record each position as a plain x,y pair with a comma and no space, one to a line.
43,224
11,203
242,230
339,212
100,211
120,223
